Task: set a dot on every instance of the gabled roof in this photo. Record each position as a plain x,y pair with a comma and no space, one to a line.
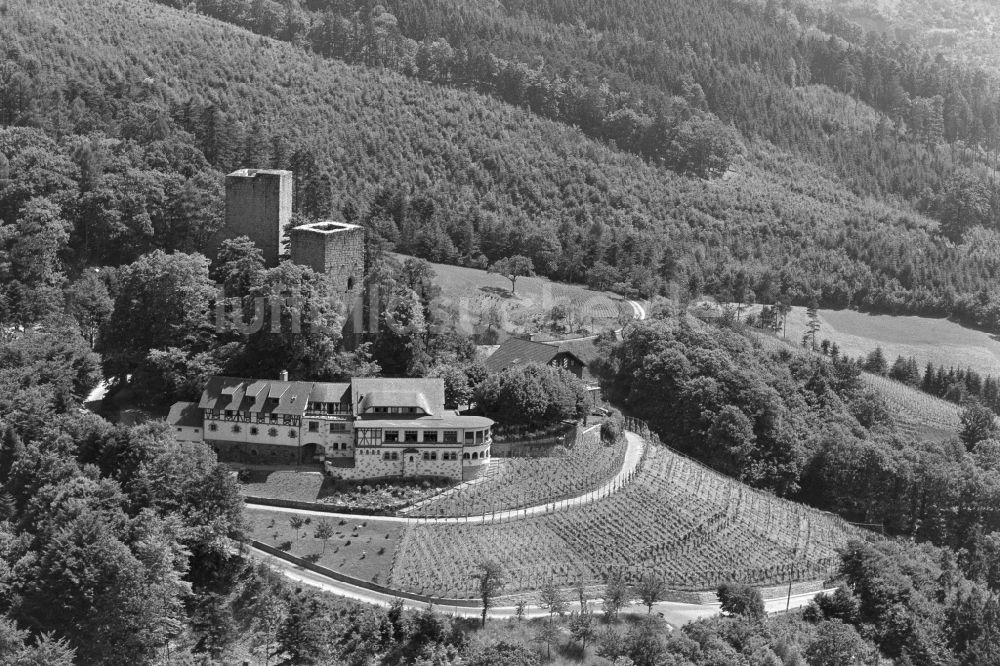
326,392
185,414
294,397
518,351
584,349
256,395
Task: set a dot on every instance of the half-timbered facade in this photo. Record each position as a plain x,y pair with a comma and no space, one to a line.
369,428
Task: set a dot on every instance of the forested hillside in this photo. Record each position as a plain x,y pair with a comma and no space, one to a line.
140,108
966,29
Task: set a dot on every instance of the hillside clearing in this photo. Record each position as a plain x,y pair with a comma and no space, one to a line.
476,291
927,339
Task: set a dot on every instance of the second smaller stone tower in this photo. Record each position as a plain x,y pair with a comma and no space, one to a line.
334,248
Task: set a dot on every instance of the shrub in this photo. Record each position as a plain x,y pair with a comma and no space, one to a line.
613,427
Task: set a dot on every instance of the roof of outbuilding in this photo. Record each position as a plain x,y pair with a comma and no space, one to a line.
185,414
518,351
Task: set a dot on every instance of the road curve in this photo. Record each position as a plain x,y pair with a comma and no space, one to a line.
674,612
633,454
639,309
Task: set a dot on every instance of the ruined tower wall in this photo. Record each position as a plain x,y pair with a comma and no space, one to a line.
333,248
258,205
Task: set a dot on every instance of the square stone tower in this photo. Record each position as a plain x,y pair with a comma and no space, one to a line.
258,205
334,248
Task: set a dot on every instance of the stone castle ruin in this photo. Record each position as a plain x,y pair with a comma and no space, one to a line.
259,206
334,248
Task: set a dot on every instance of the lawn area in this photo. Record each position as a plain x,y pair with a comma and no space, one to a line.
360,548
927,339
474,291
314,486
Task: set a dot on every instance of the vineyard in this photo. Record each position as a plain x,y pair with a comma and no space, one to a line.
691,526
917,413
515,483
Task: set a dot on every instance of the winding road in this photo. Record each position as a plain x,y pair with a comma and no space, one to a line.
674,612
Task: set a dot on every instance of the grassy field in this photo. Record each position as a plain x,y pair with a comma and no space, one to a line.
938,341
359,548
693,527
476,291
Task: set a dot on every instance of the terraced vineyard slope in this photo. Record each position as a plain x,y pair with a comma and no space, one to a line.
678,519
515,483
916,413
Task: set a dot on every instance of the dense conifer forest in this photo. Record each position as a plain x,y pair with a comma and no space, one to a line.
682,156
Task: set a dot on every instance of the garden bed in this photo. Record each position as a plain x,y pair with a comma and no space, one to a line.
377,495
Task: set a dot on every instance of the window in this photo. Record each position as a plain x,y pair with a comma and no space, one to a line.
479,437
465,456
213,427
427,455
391,436
386,456
380,410
229,413
410,436
236,428
434,455
292,433
254,431
273,432
338,427
430,435
178,429
395,455
450,436
468,436
475,455
313,426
